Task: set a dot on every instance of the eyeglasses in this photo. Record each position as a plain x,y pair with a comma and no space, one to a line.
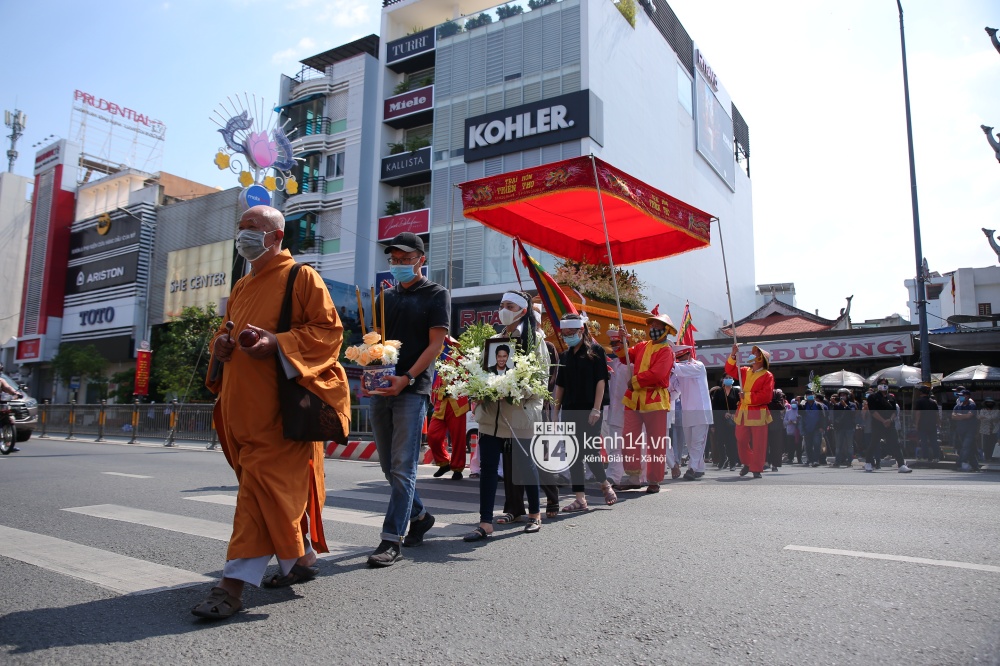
404,261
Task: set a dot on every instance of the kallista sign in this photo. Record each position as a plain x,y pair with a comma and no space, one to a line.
533,125
409,46
410,102
405,164
415,222
110,272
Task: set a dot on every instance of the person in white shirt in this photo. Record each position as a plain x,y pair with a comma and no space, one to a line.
614,414
690,378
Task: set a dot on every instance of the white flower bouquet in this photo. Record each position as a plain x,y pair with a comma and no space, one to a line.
464,376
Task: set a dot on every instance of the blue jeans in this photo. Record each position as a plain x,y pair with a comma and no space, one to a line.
967,447
814,445
396,423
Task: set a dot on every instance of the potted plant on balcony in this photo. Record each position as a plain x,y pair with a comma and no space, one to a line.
393,207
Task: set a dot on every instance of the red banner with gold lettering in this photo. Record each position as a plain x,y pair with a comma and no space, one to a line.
143,361
555,208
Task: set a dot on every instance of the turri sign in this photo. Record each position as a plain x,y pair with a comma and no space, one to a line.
533,125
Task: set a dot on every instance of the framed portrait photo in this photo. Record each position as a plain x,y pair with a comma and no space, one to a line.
498,356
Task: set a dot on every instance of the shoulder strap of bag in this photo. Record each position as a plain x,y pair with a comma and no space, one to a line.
285,319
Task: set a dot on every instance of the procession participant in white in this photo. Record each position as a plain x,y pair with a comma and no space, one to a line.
690,378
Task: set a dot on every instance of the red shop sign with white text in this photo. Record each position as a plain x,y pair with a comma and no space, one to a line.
416,222
809,351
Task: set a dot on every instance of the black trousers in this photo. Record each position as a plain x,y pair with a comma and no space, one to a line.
725,434
887,434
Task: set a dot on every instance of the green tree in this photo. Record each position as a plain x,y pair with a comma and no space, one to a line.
180,357
83,362
125,386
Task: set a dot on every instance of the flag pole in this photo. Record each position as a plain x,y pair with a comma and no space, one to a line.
607,244
725,270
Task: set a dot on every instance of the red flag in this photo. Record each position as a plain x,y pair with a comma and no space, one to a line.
686,334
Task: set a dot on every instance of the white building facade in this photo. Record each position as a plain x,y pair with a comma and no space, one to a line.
966,292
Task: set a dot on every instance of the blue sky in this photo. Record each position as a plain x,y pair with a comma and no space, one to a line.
819,84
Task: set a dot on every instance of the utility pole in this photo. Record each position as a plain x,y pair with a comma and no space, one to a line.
16,121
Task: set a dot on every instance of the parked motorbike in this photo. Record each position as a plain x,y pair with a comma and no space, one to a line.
8,436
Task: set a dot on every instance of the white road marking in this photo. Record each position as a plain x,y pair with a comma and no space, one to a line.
119,573
163,521
350,516
897,558
131,476
383,498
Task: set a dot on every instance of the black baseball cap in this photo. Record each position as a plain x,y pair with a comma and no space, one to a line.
407,242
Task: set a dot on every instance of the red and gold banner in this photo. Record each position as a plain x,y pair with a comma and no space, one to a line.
143,361
555,207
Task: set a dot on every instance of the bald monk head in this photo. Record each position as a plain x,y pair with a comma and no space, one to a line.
259,237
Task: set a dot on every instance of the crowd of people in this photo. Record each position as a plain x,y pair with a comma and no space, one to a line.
642,411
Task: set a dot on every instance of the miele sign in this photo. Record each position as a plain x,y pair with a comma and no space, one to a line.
407,103
533,125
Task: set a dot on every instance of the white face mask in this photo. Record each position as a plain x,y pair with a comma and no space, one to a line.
250,243
508,317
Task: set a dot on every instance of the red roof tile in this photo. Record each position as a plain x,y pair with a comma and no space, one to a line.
777,325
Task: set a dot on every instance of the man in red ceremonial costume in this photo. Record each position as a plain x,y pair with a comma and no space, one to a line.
448,419
647,402
282,488
752,415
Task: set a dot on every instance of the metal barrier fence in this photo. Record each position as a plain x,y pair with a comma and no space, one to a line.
167,421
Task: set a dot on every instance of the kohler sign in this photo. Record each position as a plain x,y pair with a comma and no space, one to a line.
554,120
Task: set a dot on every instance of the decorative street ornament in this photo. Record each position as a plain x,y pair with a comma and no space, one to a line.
256,149
991,234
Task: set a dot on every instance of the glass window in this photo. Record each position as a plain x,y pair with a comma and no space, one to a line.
415,197
335,165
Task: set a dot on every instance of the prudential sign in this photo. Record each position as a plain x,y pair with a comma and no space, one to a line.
542,123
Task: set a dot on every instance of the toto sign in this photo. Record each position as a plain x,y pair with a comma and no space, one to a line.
540,123
416,222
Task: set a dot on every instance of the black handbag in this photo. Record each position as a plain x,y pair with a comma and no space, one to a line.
304,416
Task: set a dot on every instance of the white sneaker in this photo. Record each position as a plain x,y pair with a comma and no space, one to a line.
868,467
903,469
966,467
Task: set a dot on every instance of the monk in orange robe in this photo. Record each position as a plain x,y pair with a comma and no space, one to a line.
752,414
281,482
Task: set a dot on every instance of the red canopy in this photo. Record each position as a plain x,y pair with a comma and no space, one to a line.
555,208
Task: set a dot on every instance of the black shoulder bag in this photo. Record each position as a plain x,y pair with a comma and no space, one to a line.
304,416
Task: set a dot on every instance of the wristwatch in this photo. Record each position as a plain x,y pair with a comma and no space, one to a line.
412,378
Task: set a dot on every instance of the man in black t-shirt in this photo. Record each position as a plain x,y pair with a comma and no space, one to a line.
883,410
417,313
928,415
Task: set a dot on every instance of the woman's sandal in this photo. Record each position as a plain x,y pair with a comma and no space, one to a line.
477,534
219,605
610,497
576,505
534,525
506,519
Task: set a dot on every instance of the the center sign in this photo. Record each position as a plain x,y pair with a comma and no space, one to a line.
542,123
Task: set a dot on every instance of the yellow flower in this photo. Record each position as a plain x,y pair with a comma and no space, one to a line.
352,354
222,160
372,337
269,184
291,186
395,344
376,351
246,180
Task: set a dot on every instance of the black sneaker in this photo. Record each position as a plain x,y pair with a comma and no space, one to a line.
745,470
442,470
387,554
457,476
418,528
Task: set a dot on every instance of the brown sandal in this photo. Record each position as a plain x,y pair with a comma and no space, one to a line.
219,605
610,497
576,505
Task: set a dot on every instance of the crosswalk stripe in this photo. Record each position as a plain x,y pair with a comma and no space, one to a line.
131,476
164,521
350,516
126,575
383,498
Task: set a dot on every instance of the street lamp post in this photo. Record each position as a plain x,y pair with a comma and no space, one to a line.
16,121
925,346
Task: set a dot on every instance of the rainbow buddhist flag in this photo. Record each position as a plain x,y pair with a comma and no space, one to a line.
554,300
686,335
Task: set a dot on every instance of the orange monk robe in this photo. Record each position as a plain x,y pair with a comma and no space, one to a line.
280,481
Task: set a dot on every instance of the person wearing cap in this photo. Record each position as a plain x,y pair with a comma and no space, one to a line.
882,408
417,314
647,402
620,374
507,429
793,437
964,422
725,402
690,378
812,420
844,422
928,416
752,416
447,419
989,421
581,391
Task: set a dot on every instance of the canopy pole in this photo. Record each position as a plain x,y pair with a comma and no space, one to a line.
607,244
451,232
725,271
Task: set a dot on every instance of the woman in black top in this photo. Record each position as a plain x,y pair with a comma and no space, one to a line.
581,391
